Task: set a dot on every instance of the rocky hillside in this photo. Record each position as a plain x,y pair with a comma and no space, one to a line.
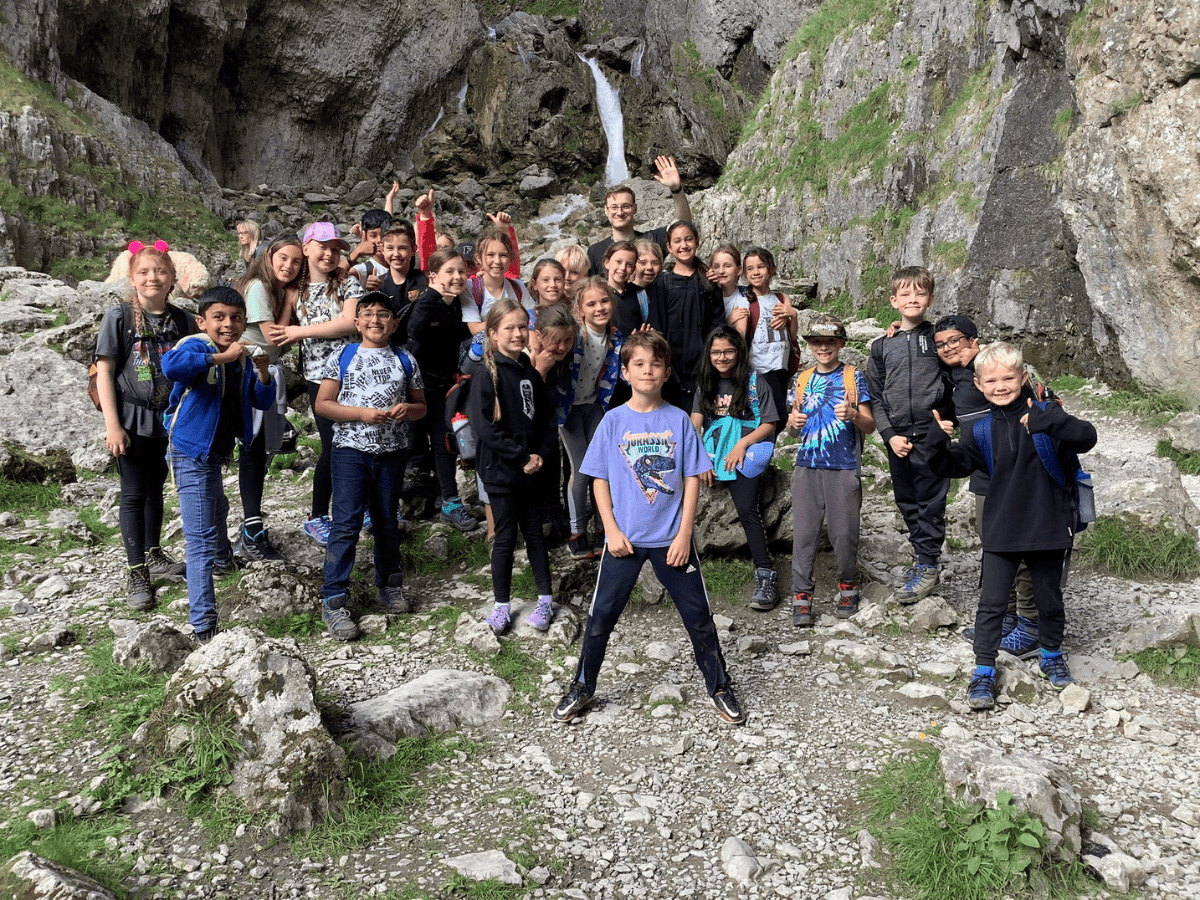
1034,155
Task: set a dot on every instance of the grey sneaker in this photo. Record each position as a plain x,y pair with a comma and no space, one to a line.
393,599
802,614
256,548
766,594
139,592
163,565
337,618
920,584
847,599
455,514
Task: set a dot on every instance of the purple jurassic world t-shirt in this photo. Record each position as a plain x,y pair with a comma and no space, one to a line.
645,457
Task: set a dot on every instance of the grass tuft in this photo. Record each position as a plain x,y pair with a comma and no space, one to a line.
1179,666
78,844
1128,549
1186,461
727,578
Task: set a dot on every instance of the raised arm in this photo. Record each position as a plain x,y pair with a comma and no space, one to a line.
668,176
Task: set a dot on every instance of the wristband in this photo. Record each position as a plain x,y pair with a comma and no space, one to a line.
678,190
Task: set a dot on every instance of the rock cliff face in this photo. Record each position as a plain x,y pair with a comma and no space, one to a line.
993,145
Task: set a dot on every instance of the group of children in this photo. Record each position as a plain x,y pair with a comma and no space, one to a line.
658,383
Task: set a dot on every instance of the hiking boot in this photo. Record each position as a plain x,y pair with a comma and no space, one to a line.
139,592
729,710
456,514
162,565
765,593
256,548
981,693
580,548
542,615
919,584
317,528
224,567
1054,668
200,638
576,700
337,618
1010,622
392,599
802,611
847,599
500,619
1022,640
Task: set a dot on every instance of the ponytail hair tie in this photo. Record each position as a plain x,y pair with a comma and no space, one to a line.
136,247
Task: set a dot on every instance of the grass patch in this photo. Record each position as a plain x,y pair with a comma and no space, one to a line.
460,550
727,578
297,625
946,849
379,792
488,889
522,671
1067,383
78,844
1186,461
1128,549
1140,401
90,517
23,497
1179,666
114,700
951,254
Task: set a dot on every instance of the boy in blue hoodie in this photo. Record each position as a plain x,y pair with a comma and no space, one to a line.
203,419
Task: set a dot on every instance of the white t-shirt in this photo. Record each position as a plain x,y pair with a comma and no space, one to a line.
594,347
375,379
768,346
473,312
731,302
316,308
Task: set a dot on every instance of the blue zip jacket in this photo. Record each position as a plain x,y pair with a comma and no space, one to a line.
195,403
610,374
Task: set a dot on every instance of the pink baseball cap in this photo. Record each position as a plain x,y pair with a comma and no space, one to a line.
324,232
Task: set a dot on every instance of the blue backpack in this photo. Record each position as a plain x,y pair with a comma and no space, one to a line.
348,354
1080,487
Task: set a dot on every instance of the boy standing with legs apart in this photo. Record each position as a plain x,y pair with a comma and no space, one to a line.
211,403
1028,517
831,411
371,391
906,383
646,459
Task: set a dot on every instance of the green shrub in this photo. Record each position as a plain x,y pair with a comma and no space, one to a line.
1125,547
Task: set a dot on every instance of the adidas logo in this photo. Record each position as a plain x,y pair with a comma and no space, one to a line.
689,570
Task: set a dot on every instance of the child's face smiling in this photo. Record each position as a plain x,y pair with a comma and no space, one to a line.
645,373
723,356
619,268
285,263
758,273
557,342
724,272
911,301
595,308
375,323
549,285
493,259
323,256
451,278
682,245
825,351
151,279
512,334
954,348
999,384
648,268
397,252
223,324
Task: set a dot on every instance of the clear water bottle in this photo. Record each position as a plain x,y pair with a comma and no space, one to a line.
464,436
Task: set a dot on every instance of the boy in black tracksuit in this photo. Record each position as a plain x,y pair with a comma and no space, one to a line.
1027,516
906,382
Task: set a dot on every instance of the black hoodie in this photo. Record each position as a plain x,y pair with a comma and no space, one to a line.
435,331
1025,508
526,426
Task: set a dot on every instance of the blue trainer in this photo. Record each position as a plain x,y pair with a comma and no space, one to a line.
1022,641
1054,668
981,693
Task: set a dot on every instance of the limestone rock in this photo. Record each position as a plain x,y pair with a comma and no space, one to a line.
1075,697
718,528
156,643
272,591
485,865
1147,488
739,861
932,613
440,700
289,767
44,878
1184,432
472,632
1038,786
1178,628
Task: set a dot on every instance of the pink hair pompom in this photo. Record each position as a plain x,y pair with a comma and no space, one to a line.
161,246
135,247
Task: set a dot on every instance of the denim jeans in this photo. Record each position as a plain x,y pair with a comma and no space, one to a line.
363,481
204,509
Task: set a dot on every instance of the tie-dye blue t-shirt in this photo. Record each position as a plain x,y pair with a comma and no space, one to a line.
826,442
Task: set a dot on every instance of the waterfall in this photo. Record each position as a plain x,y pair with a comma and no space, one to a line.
635,62
562,208
608,101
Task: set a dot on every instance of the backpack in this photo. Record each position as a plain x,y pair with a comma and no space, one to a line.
848,384
456,405
475,284
350,350
178,316
1083,498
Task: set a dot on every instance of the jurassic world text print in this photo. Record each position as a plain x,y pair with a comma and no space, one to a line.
651,457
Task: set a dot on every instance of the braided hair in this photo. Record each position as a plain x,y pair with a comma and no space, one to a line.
496,313
135,302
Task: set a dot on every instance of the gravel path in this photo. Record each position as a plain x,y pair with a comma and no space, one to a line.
637,798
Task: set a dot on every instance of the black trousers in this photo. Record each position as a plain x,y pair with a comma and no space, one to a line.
1046,570
510,511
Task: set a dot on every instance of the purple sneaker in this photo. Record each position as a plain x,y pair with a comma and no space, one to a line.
499,620
542,616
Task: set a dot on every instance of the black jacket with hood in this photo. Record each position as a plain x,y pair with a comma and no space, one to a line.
527,423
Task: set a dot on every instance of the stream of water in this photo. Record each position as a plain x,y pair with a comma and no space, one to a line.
608,101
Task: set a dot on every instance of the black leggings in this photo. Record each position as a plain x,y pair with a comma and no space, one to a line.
322,479
510,510
744,492
252,475
143,470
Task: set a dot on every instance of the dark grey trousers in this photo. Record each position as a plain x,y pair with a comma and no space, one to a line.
832,495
